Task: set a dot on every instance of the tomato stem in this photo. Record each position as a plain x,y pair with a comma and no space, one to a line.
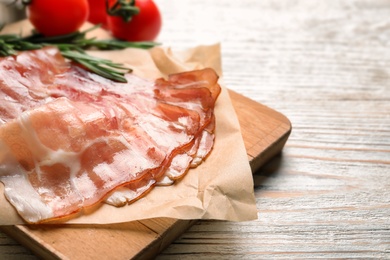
123,8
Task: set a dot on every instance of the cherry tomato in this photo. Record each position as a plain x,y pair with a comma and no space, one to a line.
97,12
144,26
57,17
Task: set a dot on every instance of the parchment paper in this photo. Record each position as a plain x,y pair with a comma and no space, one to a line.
220,188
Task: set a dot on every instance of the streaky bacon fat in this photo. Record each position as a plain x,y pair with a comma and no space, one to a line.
70,139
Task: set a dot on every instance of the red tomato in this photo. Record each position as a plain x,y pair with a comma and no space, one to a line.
57,17
144,26
97,12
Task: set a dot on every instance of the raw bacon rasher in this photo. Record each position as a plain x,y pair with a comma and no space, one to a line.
70,139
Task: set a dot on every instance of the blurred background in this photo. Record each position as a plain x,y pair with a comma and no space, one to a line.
10,11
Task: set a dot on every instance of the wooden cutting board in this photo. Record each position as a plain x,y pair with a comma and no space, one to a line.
265,131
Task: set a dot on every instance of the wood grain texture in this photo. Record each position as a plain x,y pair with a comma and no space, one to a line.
265,133
326,66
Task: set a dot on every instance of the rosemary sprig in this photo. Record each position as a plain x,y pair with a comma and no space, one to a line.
72,46
103,67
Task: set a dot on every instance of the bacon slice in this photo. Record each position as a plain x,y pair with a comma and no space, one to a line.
23,79
70,139
196,91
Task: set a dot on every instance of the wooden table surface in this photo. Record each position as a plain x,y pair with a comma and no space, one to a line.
326,66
